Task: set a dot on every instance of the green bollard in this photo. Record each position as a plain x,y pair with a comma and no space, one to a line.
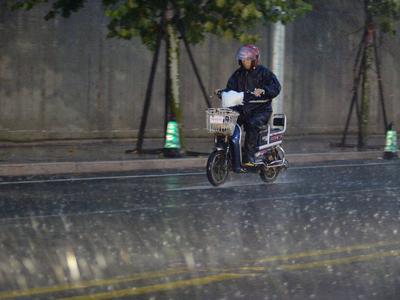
172,144
391,148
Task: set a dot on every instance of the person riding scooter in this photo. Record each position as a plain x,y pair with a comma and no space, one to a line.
260,86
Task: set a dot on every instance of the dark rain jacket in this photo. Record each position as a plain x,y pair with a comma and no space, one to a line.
246,81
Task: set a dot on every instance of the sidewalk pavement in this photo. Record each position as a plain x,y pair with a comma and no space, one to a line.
92,156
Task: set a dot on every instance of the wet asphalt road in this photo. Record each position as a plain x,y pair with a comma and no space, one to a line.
327,231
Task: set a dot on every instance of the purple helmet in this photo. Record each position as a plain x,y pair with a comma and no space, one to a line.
249,52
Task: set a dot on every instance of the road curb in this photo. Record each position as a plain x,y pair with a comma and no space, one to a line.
44,168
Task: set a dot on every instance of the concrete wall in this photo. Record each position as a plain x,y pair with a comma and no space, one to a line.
63,78
321,50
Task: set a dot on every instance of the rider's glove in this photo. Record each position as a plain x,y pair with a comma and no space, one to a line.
219,93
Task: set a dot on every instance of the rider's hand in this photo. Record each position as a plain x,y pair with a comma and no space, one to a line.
258,92
218,92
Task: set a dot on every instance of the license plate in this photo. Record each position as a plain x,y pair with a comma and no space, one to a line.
216,119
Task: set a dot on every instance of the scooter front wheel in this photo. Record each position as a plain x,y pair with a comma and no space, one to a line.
217,168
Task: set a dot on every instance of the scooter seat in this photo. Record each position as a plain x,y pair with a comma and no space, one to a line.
273,130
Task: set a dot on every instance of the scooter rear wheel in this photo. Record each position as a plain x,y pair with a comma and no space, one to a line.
269,174
217,168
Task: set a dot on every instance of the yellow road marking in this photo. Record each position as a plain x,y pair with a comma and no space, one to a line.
151,275
326,262
325,251
339,261
228,276
253,268
160,287
91,283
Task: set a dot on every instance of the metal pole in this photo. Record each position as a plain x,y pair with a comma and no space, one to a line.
357,76
196,71
146,107
278,62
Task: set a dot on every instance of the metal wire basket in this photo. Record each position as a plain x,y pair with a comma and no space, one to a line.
221,120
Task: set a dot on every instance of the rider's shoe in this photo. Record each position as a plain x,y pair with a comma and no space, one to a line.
249,164
249,161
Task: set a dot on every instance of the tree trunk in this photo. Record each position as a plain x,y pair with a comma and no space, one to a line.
365,88
173,98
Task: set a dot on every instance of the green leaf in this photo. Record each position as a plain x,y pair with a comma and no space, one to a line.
226,18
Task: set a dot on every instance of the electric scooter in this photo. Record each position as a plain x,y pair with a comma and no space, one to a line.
227,154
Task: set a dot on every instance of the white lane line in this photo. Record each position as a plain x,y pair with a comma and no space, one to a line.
74,179
228,185
96,212
199,204
77,179
342,165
